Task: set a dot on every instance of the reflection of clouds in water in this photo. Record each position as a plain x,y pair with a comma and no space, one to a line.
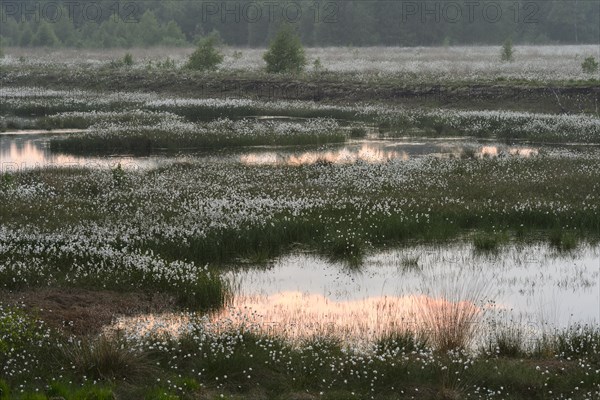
377,154
25,153
260,159
525,152
296,316
495,151
27,150
17,154
41,132
490,151
172,324
522,280
366,153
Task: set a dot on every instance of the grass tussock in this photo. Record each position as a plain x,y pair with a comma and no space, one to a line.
506,341
489,242
451,313
109,359
406,341
563,241
410,263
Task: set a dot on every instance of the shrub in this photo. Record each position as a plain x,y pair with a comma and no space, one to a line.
118,175
128,60
507,53
285,53
168,63
589,65
206,57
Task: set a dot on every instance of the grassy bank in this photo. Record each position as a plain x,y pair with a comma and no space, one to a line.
240,364
173,133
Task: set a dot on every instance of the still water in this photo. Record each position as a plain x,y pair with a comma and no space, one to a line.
24,150
301,295
21,150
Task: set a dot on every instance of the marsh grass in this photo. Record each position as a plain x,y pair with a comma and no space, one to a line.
110,359
576,342
410,263
146,132
358,132
563,241
63,390
383,205
149,141
406,341
64,109
489,242
342,230
506,341
84,120
452,311
199,290
4,390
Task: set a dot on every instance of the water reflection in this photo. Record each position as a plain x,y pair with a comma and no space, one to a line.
297,316
496,151
366,153
302,295
524,152
488,151
377,152
301,315
21,151
30,149
533,284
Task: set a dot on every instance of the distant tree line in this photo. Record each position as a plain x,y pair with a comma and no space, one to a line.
113,23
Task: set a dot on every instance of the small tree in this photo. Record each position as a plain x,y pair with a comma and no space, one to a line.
590,65
206,57
285,53
45,36
507,54
317,66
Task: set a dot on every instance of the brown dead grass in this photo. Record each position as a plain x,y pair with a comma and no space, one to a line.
85,312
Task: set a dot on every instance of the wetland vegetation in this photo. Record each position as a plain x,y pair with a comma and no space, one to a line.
225,177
